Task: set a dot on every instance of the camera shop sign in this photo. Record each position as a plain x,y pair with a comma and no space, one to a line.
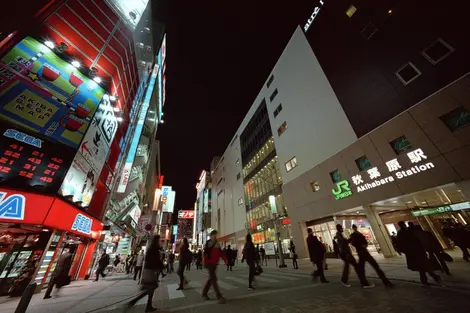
395,172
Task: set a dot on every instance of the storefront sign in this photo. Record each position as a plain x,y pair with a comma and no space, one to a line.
41,92
82,224
29,208
175,229
28,162
185,214
342,190
313,16
269,248
165,192
442,209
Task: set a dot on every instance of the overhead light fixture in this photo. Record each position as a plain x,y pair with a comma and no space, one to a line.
119,119
410,202
49,44
97,79
75,64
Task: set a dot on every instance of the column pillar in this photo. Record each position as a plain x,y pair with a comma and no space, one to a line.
380,232
299,232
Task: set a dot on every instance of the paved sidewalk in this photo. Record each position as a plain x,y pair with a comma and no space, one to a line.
395,269
80,296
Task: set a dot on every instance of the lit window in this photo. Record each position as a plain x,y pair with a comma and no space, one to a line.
240,201
438,51
273,95
315,186
363,163
336,176
408,73
351,10
291,164
401,145
456,119
282,129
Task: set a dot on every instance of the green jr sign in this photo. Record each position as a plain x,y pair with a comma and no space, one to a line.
342,190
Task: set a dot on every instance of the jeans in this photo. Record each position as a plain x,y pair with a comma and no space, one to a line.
348,260
137,272
364,256
251,272
212,281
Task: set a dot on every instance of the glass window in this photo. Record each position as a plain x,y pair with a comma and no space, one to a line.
408,73
292,163
282,129
278,110
363,163
456,119
238,176
273,95
270,81
401,145
438,51
335,176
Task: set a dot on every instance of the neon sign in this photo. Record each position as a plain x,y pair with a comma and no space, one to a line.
82,224
12,207
313,16
342,190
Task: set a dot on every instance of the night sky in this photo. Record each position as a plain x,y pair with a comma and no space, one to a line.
219,55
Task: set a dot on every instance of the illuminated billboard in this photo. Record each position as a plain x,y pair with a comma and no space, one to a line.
44,94
186,214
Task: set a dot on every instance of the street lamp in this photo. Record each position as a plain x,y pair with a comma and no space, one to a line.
272,202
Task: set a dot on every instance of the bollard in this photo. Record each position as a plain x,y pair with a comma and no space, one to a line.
26,298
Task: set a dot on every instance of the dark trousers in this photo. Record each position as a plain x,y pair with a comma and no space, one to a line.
319,272
466,255
424,278
198,265
188,266
143,294
364,257
294,263
100,271
348,260
137,272
180,273
251,273
440,260
212,281
229,265
50,287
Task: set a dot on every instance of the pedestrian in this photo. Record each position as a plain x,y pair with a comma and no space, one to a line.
345,254
152,266
316,251
433,248
416,259
139,262
186,257
171,262
258,258
229,256
212,255
188,264
359,242
325,265
393,237
199,260
102,264
116,263
461,237
249,254
129,263
294,257
60,276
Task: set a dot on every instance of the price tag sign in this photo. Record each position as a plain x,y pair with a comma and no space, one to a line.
29,162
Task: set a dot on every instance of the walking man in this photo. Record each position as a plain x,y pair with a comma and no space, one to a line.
348,259
102,264
317,253
249,254
229,256
212,255
359,242
186,257
138,265
60,276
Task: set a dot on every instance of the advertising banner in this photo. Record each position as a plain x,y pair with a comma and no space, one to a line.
175,229
185,214
80,182
23,207
29,162
45,94
171,202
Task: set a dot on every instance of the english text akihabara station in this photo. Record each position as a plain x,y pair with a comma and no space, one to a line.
81,95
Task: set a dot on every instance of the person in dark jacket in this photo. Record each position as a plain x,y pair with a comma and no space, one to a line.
102,264
185,257
432,247
229,255
316,251
60,276
461,238
348,259
359,242
152,265
250,255
416,259
199,260
212,255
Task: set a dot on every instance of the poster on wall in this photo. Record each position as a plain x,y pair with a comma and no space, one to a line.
80,182
29,162
43,93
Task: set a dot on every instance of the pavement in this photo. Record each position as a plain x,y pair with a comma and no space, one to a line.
279,290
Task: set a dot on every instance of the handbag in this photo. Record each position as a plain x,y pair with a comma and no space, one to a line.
258,270
149,280
446,257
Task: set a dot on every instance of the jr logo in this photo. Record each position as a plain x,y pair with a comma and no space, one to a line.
342,191
12,207
82,224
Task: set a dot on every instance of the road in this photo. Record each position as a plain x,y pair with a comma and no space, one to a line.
287,290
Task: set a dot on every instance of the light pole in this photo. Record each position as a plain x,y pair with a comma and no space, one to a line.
272,202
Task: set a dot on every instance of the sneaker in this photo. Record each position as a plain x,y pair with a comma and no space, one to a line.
221,300
180,288
205,297
346,285
251,288
368,286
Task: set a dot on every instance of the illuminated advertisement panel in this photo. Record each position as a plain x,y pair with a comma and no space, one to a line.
44,94
29,162
138,131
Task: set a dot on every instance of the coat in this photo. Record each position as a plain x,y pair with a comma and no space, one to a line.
409,243
316,249
153,263
61,272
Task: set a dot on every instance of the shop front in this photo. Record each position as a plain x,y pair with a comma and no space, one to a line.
34,231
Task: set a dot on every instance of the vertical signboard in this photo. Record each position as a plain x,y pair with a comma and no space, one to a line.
137,133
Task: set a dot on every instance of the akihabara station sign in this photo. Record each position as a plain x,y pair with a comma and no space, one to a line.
375,178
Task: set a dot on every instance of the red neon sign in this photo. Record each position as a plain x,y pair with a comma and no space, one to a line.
186,214
23,207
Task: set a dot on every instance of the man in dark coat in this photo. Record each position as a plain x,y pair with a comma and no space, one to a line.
432,247
316,251
102,264
60,276
416,259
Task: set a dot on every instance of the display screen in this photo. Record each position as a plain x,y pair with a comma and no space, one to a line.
29,162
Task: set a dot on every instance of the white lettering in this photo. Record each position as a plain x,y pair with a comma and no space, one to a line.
313,16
